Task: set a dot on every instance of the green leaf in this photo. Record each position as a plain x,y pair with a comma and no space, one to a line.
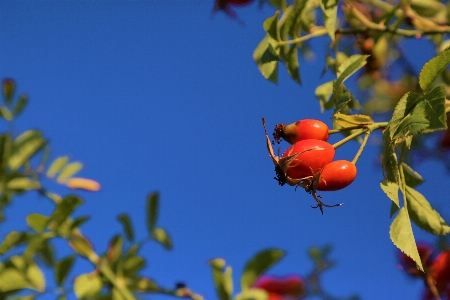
115,249
292,64
222,280
258,265
391,190
346,121
82,246
349,67
146,285
152,210
266,60
87,286
22,184
132,265
329,9
78,222
323,93
69,170
416,113
35,277
270,26
21,103
162,237
12,279
24,147
412,178
423,214
62,269
403,238
37,221
433,68
389,159
5,150
342,101
253,294
13,239
63,210
57,165
126,223
6,113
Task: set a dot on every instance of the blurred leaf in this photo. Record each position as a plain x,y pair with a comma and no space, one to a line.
266,60
259,264
37,221
152,210
346,121
389,159
126,223
57,165
35,277
22,184
87,286
145,285
391,190
46,252
349,67
68,171
253,294
132,265
62,269
412,178
329,9
117,295
403,238
11,240
63,210
6,113
419,114
433,68
270,26
423,214
12,279
222,280
21,103
8,86
82,246
115,249
5,150
83,183
24,147
78,222
162,237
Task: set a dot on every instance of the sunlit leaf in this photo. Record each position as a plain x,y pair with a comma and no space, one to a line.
146,285
423,214
162,237
346,121
68,171
259,264
323,93
24,147
152,210
12,279
62,269
87,286
126,223
416,113
35,277
329,9
37,221
57,165
222,279
267,62
433,68
349,67
403,238
253,294
22,184
391,190
83,184
270,26
6,113
82,246
132,265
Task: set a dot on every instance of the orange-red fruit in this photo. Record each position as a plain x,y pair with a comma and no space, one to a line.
314,155
440,269
302,130
337,175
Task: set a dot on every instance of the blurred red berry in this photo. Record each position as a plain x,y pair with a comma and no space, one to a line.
440,271
407,264
284,286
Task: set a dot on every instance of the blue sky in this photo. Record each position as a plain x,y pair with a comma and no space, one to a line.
162,96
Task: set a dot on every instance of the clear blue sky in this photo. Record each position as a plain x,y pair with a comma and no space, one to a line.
160,96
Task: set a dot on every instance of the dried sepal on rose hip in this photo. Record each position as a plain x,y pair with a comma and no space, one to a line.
299,161
301,130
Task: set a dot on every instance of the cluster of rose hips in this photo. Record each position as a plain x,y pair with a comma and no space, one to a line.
279,288
308,162
437,271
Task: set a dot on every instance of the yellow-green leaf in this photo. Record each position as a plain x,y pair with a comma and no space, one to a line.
87,286
24,147
433,68
57,165
68,171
